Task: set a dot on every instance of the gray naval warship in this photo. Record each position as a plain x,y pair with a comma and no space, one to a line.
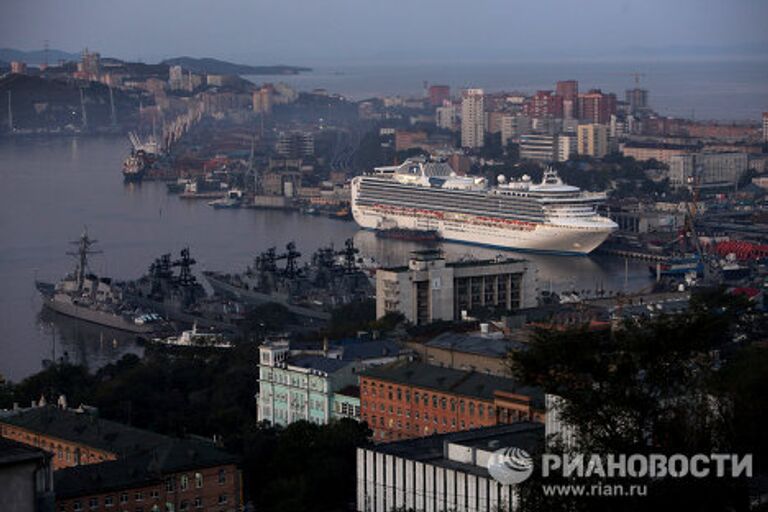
179,297
83,295
333,278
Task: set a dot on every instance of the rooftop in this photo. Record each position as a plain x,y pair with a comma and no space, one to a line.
472,384
12,452
316,362
430,449
432,254
139,469
355,350
85,428
484,345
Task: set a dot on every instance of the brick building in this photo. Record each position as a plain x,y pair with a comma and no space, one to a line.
75,437
438,94
543,104
596,106
102,465
403,401
182,476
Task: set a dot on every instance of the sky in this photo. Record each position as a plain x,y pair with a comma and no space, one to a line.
309,32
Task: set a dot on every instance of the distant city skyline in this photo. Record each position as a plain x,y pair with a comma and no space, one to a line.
344,31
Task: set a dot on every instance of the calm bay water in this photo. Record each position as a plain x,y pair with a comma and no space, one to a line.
50,189
703,89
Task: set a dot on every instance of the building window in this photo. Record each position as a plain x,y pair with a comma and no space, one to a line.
77,506
155,494
109,501
198,502
93,502
184,482
222,499
170,484
124,498
222,477
184,506
198,480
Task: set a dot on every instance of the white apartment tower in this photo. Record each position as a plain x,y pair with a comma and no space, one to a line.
765,126
472,118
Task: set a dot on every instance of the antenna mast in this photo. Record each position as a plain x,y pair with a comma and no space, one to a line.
84,245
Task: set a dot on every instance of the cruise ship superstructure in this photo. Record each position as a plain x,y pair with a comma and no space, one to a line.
419,195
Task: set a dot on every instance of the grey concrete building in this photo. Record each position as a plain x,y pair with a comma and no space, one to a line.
707,169
430,289
26,478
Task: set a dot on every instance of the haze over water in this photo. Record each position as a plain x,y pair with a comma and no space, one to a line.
53,188
702,89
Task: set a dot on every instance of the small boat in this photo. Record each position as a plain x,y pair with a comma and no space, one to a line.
732,270
678,267
195,339
233,199
178,186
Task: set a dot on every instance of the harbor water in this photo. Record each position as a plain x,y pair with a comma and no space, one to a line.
54,188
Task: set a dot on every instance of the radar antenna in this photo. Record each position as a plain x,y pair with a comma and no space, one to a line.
84,245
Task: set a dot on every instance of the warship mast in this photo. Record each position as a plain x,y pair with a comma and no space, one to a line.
84,245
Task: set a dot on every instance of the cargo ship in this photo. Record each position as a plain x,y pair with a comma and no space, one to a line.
143,155
420,195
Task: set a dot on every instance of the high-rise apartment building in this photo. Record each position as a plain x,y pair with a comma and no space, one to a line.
263,99
596,106
445,116
438,94
568,93
592,140
566,147
543,104
637,99
765,126
472,118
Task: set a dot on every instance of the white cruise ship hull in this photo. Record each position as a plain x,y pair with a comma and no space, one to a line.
543,237
472,229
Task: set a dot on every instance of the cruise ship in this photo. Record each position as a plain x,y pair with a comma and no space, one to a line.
550,216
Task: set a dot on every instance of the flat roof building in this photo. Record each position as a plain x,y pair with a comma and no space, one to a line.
430,289
402,401
539,147
442,472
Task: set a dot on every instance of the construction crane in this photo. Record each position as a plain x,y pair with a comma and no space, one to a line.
691,207
637,77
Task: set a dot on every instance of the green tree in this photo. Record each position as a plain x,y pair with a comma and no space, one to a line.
651,387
